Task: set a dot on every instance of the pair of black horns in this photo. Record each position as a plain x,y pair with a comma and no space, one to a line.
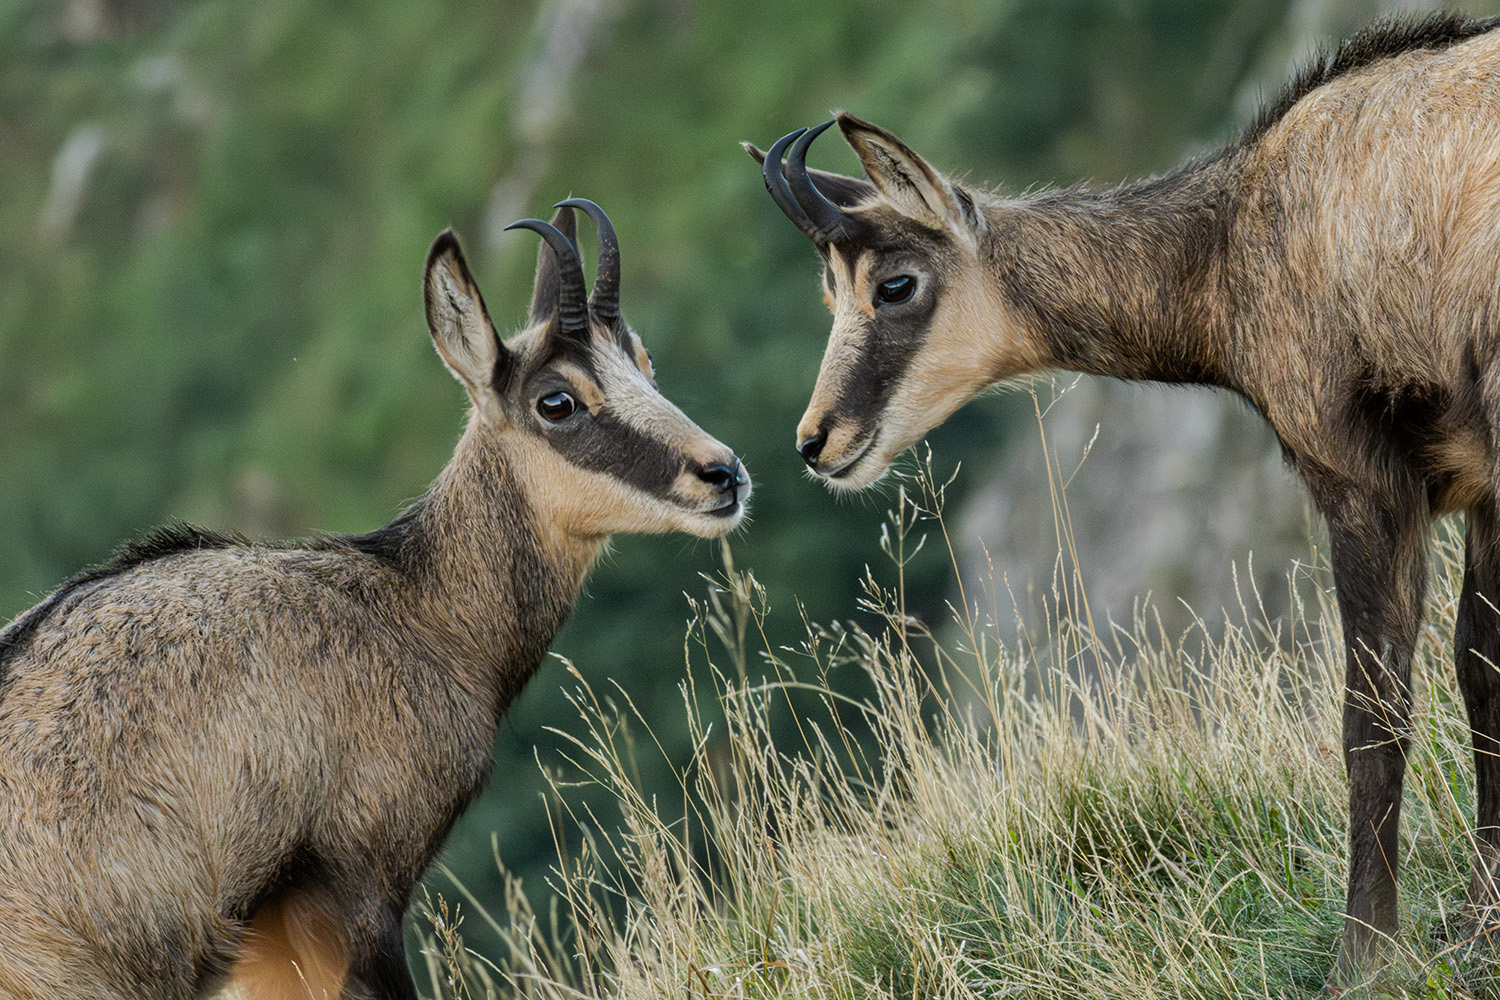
604,303
796,194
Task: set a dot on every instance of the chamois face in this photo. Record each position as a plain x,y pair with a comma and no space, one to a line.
904,281
571,404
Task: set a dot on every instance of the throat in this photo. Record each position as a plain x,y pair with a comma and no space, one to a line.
487,586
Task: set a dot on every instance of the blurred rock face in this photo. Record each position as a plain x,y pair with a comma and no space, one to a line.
1168,492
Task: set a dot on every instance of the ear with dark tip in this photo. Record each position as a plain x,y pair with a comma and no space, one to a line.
841,189
908,182
545,288
458,320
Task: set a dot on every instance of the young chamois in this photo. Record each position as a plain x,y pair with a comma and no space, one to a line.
1337,265
226,763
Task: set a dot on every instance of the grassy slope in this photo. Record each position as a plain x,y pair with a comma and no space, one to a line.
985,824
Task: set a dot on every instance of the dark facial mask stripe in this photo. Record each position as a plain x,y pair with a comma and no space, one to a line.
601,443
890,343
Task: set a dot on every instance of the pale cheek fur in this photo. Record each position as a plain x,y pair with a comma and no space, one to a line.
578,507
970,346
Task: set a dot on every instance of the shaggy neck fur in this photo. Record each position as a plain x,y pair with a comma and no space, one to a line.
1120,282
470,549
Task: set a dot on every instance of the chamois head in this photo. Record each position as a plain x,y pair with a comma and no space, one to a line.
571,401
904,279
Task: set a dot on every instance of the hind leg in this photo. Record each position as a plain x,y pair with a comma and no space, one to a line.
294,950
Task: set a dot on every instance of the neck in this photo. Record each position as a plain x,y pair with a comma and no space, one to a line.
482,585
1121,282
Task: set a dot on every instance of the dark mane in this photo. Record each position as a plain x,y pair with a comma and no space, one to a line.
1384,38
165,541
155,544
396,543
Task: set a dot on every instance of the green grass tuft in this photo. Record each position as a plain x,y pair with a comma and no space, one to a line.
1091,816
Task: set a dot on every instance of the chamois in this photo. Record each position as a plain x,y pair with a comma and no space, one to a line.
1337,265
226,764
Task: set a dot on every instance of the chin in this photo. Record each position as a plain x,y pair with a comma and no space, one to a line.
863,473
714,524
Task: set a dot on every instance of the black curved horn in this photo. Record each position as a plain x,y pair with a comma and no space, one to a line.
605,300
781,192
827,217
572,311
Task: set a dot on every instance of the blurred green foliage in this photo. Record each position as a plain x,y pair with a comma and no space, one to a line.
217,315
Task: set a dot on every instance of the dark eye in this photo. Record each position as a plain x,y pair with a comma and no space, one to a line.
557,406
897,289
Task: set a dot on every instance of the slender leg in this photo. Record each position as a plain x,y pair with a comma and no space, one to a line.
378,968
1476,643
1379,567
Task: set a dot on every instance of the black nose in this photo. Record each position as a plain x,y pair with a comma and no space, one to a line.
811,447
723,477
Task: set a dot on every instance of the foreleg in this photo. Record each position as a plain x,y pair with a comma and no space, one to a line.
1379,566
1476,643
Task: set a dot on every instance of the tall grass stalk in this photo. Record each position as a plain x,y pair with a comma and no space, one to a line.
1010,812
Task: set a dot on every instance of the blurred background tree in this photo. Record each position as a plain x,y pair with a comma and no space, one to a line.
215,215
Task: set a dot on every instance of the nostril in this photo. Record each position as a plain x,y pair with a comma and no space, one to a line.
811,447
721,477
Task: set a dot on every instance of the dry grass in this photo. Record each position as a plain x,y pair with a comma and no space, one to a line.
1071,813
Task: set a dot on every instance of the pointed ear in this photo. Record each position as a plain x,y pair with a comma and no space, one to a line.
461,328
908,182
544,290
843,191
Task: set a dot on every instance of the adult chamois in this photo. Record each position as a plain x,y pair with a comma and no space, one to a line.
1337,265
227,763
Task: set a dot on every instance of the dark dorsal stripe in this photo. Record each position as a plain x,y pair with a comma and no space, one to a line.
1381,40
